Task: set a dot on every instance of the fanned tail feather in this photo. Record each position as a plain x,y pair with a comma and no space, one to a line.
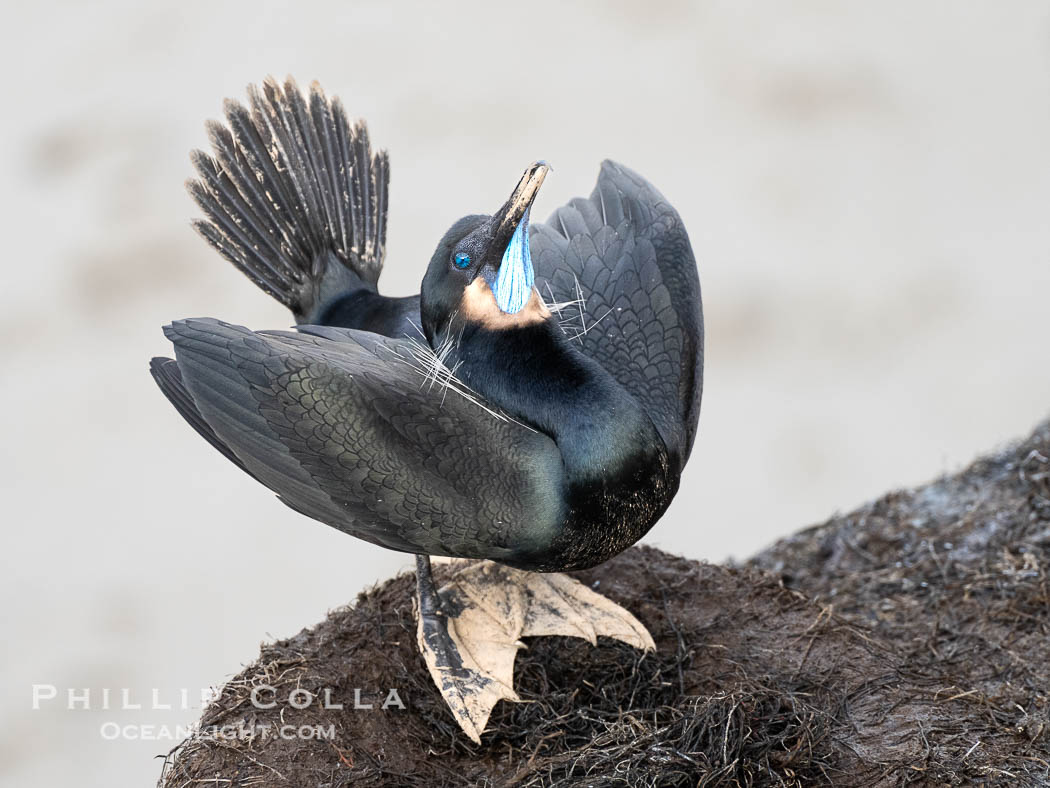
294,196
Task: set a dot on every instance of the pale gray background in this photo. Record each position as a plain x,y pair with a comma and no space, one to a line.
866,185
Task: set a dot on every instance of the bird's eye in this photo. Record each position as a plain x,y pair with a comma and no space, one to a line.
462,260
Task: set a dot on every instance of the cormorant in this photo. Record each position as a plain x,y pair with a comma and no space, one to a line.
534,405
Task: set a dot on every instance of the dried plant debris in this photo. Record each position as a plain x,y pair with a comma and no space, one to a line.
954,575
903,644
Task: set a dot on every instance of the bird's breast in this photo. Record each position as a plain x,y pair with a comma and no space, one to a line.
606,516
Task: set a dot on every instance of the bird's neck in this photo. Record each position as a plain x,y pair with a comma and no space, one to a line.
535,373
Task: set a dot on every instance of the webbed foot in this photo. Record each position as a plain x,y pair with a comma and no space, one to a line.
469,632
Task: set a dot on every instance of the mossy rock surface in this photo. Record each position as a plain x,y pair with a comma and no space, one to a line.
904,643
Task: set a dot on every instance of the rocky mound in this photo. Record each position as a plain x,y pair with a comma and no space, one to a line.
904,643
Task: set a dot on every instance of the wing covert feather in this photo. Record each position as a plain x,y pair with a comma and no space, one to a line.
347,427
623,254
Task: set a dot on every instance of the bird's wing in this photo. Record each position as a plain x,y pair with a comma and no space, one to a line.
372,436
621,264
168,377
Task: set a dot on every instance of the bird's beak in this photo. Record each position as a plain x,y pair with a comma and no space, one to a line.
510,240
506,220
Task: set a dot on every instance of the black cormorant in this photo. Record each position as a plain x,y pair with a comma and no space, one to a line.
534,405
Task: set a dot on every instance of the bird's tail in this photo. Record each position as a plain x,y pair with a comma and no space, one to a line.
294,196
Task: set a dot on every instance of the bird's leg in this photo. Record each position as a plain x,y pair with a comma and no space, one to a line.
470,630
470,691
434,639
429,601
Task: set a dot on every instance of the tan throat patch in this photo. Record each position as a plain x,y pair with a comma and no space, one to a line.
478,305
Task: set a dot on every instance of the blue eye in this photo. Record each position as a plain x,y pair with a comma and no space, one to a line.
462,260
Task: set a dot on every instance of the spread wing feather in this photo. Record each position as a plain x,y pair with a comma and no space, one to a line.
621,263
354,430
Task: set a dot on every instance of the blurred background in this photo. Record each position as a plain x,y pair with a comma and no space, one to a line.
866,186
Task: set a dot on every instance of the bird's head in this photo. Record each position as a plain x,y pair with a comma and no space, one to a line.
481,272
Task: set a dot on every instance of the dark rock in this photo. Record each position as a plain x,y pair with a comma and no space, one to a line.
904,643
